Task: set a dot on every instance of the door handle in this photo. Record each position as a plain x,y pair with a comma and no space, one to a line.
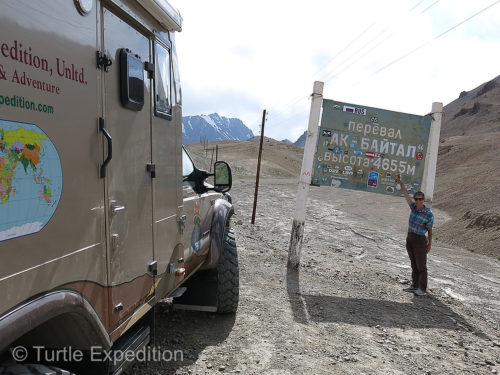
115,208
110,147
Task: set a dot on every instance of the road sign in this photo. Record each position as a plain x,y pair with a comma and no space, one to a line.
363,148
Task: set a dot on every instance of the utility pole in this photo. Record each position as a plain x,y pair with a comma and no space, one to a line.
212,159
305,177
258,167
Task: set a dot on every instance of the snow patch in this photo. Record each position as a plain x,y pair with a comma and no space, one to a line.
209,120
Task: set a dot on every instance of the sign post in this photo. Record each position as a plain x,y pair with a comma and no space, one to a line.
432,154
305,177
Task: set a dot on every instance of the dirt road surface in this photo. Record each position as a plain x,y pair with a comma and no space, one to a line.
343,311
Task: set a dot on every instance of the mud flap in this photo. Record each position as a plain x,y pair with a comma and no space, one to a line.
215,290
201,293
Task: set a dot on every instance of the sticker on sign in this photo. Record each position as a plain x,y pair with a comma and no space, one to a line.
355,110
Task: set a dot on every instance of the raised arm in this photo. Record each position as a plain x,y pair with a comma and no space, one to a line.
403,189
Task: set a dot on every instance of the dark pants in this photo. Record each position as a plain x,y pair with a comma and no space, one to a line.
416,246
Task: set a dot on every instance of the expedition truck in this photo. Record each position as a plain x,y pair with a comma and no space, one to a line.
102,212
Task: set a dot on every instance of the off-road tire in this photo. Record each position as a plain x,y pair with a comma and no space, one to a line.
228,275
34,369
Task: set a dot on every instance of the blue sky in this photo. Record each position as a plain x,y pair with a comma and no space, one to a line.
240,57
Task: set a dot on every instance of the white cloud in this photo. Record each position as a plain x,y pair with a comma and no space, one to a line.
239,57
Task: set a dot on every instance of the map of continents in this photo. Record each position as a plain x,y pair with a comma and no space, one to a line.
30,179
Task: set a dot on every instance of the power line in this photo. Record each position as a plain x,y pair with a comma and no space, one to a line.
430,41
417,4
430,6
377,45
297,98
350,65
467,19
286,118
347,46
335,72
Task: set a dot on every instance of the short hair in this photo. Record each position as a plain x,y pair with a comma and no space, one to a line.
419,193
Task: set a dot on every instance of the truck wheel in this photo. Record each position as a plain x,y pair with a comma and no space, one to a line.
32,370
228,275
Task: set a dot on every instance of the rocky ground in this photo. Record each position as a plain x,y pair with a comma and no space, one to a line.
343,311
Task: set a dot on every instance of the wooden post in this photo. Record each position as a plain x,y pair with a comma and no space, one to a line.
212,159
429,177
216,152
305,177
258,167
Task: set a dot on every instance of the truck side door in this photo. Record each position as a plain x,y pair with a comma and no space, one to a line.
166,149
127,118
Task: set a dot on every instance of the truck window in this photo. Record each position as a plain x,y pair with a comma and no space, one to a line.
187,164
163,104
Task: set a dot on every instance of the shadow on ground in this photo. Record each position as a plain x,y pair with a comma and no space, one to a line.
187,331
422,312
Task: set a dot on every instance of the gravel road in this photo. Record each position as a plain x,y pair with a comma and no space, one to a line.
343,311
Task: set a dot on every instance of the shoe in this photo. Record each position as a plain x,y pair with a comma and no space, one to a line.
410,289
420,292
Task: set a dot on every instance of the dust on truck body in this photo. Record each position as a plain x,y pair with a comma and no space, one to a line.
102,212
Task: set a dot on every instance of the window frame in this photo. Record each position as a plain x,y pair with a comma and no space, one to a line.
161,43
176,77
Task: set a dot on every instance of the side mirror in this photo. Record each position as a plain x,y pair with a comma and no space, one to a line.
198,177
222,177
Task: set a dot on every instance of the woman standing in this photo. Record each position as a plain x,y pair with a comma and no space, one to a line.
417,244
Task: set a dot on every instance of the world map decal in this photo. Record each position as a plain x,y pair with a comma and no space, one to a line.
30,179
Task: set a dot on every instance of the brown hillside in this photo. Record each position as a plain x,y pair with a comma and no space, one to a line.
475,112
279,159
468,172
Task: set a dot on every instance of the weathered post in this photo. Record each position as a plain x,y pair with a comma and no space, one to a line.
305,177
212,159
258,167
429,177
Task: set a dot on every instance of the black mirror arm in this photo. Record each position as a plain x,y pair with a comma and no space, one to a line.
198,176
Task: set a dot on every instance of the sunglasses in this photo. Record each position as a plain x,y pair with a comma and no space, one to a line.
419,199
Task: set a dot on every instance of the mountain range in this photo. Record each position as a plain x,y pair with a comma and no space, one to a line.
301,141
213,127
